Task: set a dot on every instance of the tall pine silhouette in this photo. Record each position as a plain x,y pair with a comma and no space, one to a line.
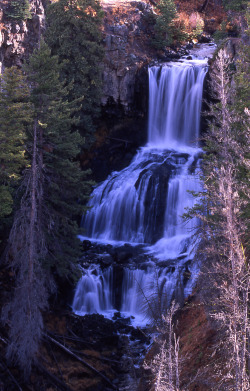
74,34
43,241
15,115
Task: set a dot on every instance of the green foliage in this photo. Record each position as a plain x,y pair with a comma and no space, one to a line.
235,5
73,33
43,242
179,33
15,115
19,10
6,201
164,29
221,33
65,187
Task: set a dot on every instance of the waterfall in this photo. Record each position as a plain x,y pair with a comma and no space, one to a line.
143,203
156,286
174,105
93,294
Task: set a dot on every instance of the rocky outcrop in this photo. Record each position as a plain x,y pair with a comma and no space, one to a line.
125,87
124,70
124,59
19,38
123,125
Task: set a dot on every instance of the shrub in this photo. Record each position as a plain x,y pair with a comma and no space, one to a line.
19,10
235,5
164,26
221,33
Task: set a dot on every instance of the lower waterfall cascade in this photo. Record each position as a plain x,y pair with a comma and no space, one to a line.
141,206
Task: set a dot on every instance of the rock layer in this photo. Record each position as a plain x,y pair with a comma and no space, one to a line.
19,38
125,38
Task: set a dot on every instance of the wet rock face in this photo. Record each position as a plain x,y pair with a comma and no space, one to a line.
19,38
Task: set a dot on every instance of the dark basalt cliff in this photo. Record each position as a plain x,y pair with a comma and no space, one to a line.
124,35
122,128
127,33
126,55
18,38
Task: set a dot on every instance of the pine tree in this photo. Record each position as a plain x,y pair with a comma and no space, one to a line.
43,241
26,249
222,234
65,186
164,28
15,114
73,33
235,5
19,10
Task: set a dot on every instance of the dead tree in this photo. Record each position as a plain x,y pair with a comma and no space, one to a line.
223,229
165,366
25,250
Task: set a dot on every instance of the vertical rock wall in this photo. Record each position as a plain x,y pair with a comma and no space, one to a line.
127,54
19,38
125,36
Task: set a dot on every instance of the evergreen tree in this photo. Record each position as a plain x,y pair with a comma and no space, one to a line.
15,114
43,242
65,186
164,29
241,130
235,5
73,33
19,10
222,234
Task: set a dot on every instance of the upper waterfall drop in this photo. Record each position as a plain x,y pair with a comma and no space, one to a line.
175,96
130,205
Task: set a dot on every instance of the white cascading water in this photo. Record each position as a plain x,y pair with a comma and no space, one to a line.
174,105
143,203
94,294
142,287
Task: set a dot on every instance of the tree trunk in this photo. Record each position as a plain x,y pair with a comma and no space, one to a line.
33,210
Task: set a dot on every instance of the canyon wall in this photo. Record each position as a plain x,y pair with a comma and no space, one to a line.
19,38
124,36
127,54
